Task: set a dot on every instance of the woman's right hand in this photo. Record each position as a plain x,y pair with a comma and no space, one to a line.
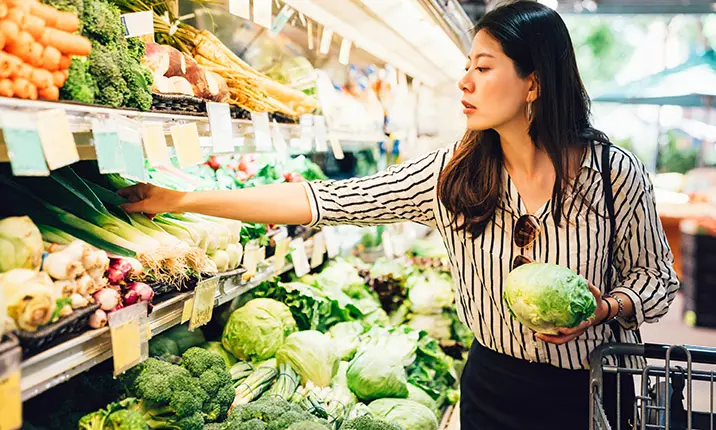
151,199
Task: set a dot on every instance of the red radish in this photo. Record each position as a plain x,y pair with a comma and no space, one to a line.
131,297
107,298
122,266
118,307
98,319
115,276
242,176
144,291
156,58
213,162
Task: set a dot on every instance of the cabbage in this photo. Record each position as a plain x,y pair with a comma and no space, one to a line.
346,338
311,354
546,296
438,326
218,349
373,374
256,330
430,292
405,413
417,395
399,343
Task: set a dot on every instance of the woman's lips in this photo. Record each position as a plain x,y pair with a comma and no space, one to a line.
468,107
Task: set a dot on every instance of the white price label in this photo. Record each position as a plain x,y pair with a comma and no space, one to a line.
319,128
326,39
283,244
57,140
299,257
262,131
222,138
138,23
281,19
337,148
388,244
319,249
306,124
186,144
240,8
262,12
128,330
279,139
251,257
309,34
332,243
155,145
344,57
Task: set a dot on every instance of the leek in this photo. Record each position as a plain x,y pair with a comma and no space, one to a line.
55,235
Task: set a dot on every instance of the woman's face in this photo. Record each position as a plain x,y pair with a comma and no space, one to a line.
493,93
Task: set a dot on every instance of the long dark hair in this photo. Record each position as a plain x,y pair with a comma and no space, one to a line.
537,40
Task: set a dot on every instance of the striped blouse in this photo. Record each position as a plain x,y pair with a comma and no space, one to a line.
643,263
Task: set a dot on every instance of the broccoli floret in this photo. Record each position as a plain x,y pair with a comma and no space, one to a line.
105,67
74,6
136,49
80,85
254,424
126,420
101,22
214,379
310,425
287,419
367,422
214,426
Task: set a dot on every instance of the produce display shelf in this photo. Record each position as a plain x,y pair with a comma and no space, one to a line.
56,365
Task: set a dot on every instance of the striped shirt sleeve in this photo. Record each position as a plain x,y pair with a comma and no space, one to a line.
644,262
404,192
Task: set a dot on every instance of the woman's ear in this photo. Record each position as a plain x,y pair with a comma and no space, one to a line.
533,89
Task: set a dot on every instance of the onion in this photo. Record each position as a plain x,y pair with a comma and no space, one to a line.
143,291
107,298
98,319
87,286
118,307
65,264
131,297
121,265
115,276
78,301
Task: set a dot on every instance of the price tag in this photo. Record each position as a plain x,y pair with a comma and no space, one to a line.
306,124
283,244
309,34
186,144
155,145
281,19
332,244
279,139
10,392
57,140
319,128
344,57
131,143
107,146
222,136
337,148
203,307
262,12
262,255
251,257
262,131
138,23
387,240
299,257
23,144
326,39
186,310
240,8
319,248
128,331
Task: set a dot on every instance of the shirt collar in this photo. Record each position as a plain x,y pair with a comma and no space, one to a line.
592,156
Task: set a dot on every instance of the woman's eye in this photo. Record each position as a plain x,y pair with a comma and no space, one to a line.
481,69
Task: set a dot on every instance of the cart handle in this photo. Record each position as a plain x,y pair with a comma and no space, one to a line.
699,354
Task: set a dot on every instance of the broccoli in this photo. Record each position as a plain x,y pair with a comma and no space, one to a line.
125,419
74,6
253,424
214,426
309,425
116,416
174,342
275,414
80,85
101,22
367,422
214,379
106,67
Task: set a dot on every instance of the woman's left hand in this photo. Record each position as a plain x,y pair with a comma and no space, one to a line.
567,334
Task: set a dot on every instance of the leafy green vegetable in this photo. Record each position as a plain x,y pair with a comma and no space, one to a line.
432,371
311,353
416,394
346,338
368,422
270,414
171,344
373,374
546,296
430,292
256,330
405,413
218,349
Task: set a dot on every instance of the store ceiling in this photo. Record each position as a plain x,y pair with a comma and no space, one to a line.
476,8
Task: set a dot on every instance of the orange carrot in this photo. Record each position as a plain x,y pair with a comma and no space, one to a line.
3,10
66,43
50,93
64,21
6,88
10,30
2,40
65,60
17,15
35,26
41,78
60,77
24,89
8,64
34,58
51,59
23,71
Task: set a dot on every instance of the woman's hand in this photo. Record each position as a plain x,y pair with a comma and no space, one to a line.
567,334
151,199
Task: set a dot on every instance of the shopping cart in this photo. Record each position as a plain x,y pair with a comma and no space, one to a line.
660,388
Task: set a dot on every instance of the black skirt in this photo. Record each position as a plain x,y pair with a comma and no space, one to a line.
499,392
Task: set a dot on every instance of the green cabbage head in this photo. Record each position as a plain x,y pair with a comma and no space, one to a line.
546,296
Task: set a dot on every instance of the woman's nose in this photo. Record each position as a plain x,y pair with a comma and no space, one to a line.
465,84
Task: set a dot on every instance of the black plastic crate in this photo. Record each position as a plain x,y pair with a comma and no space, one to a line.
698,255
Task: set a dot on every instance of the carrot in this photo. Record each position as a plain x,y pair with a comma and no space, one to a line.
10,29
60,77
64,21
23,71
3,10
24,89
18,16
34,57
6,88
2,40
65,60
50,93
51,58
66,43
8,64
35,26
42,79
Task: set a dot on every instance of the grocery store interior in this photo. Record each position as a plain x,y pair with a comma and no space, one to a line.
117,320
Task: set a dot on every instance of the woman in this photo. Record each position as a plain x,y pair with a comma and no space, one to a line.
523,185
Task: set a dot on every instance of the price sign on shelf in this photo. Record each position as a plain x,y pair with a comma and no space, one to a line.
240,8
319,249
23,144
57,140
262,130
107,146
283,245
387,240
344,57
128,331
251,257
262,13
133,153
155,145
332,244
306,124
279,139
337,148
299,257
138,23
319,128
282,18
203,306
186,144
10,392
222,137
